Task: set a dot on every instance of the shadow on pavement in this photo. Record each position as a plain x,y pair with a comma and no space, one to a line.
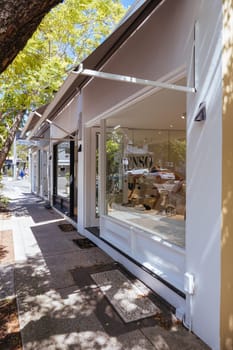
60,306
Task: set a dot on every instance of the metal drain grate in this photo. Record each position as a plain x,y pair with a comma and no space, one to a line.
130,301
84,243
67,227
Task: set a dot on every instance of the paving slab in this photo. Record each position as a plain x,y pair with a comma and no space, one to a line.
134,340
49,229
173,339
54,245
52,315
60,278
7,288
77,258
86,340
32,278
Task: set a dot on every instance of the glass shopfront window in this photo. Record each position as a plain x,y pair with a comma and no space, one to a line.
146,180
63,169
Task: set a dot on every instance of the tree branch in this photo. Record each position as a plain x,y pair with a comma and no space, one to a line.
19,20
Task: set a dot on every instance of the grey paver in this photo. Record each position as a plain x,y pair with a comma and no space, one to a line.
7,289
173,339
32,278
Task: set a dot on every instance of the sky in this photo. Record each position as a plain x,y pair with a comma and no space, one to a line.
127,3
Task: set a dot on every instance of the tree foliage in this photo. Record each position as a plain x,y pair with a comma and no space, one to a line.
177,152
63,39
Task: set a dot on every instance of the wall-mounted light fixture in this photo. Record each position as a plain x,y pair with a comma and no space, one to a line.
201,113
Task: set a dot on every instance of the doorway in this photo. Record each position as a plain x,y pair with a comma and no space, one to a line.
64,178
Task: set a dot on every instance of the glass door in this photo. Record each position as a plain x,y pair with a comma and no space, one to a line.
63,188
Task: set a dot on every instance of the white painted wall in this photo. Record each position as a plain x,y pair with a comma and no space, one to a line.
204,177
81,174
161,46
165,260
44,174
35,171
89,181
34,166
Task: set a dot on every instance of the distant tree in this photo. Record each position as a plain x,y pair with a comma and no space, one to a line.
22,152
63,39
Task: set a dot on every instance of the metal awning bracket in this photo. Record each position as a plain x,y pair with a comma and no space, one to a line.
56,125
132,80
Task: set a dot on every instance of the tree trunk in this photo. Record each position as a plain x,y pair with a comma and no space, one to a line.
19,20
10,138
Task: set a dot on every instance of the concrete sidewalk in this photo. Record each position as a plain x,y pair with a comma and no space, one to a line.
60,305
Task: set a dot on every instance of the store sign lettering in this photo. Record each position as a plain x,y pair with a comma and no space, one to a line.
142,161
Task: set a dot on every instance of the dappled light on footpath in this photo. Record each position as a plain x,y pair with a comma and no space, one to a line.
60,303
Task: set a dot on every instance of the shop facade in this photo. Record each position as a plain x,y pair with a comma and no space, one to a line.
136,159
